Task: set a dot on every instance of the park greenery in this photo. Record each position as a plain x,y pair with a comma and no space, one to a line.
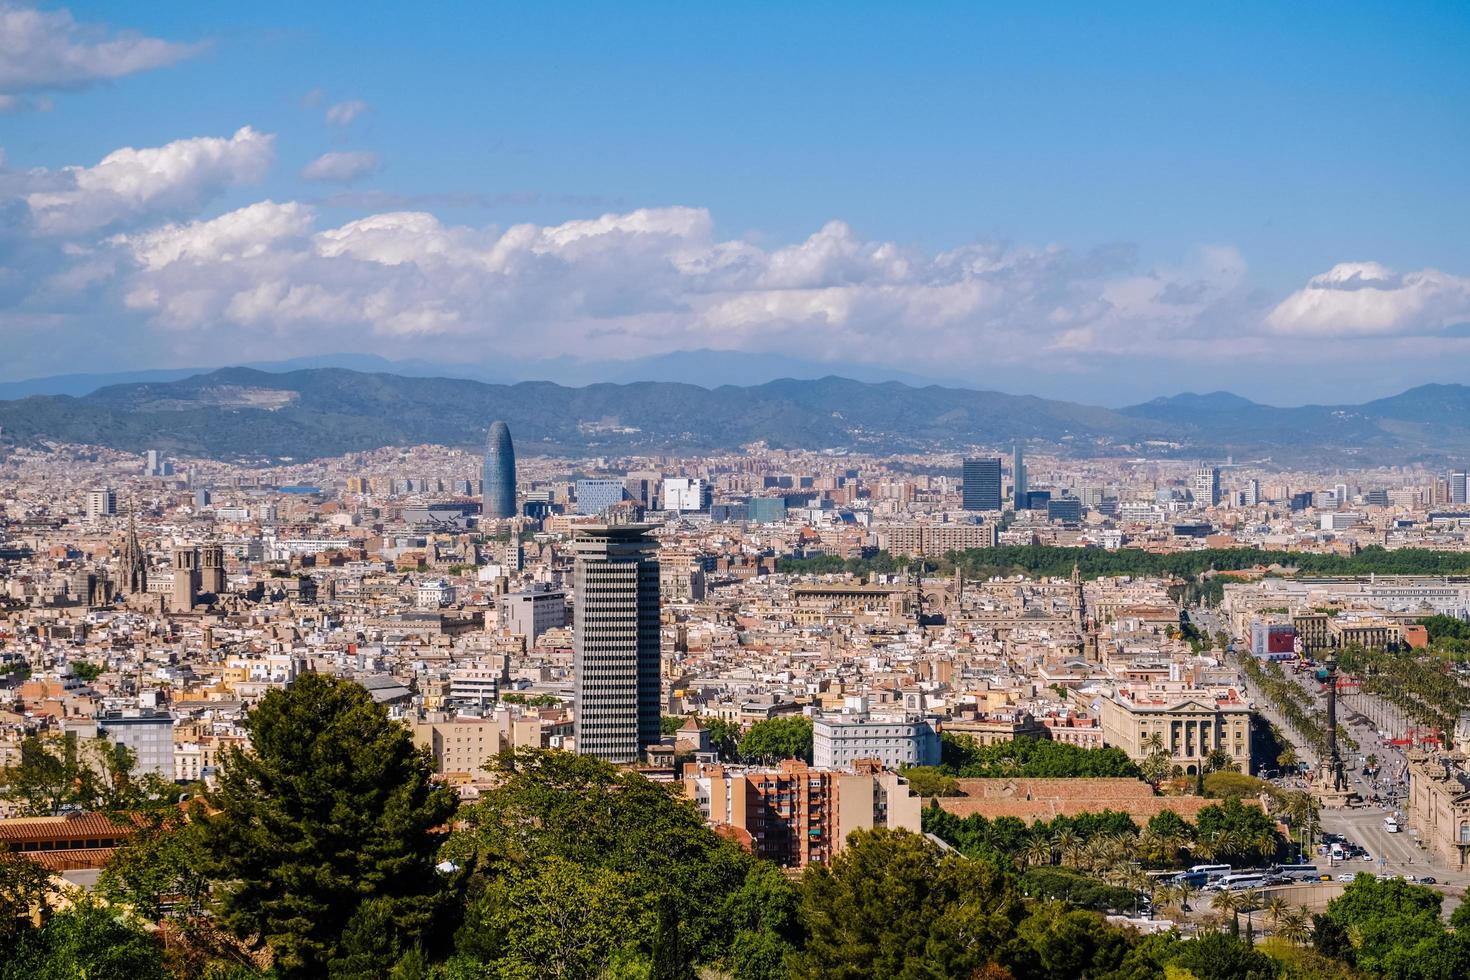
1105,842
766,742
1045,560
1423,688
327,850
962,756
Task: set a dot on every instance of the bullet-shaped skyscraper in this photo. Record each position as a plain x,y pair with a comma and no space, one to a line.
500,474
616,641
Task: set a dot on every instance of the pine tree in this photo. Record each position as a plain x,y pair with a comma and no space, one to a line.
326,831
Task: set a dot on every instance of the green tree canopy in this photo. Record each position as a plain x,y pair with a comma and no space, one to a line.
326,832
775,739
1036,757
642,838
891,904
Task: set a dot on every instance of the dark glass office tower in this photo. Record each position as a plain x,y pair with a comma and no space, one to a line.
500,474
615,640
981,489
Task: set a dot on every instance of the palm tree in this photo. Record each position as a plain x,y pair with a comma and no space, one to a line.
1067,842
1037,853
1150,845
1274,908
1250,900
1154,743
1225,902
1187,893
1295,925
1099,853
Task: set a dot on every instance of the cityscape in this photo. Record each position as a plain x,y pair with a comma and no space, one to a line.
412,582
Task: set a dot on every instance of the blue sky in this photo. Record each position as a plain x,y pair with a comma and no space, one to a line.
1292,180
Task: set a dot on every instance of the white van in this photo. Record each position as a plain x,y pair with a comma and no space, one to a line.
1390,825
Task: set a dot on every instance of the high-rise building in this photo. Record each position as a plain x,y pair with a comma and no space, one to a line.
1206,486
1459,491
616,640
500,474
981,489
595,496
101,502
1018,476
688,495
154,464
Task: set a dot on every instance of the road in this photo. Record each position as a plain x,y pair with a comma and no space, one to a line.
1397,854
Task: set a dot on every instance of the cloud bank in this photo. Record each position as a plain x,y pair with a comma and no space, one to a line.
133,242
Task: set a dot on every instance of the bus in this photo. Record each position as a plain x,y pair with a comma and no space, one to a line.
1241,881
1297,872
1212,872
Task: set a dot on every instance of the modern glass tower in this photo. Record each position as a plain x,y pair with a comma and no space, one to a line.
500,474
981,488
1018,478
616,640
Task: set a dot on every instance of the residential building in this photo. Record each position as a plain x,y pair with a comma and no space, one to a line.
101,502
532,613
797,814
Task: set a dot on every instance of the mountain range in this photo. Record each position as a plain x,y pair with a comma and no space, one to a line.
249,414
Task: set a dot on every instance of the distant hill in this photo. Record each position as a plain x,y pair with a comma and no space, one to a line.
243,413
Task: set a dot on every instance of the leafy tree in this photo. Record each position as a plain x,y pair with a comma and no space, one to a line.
1057,943
928,781
592,815
554,918
1394,929
1076,889
775,739
157,870
762,913
86,671
1036,757
326,831
724,738
891,904
1216,956
86,942
56,771
24,893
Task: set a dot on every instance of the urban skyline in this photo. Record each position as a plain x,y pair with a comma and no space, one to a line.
746,492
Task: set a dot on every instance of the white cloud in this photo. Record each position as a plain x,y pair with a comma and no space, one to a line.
658,279
341,167
1364,299
44,50
343,113
130,184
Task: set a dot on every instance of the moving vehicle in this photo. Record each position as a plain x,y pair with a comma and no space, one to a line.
1212,872
1296,872
1390,825
1240,881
